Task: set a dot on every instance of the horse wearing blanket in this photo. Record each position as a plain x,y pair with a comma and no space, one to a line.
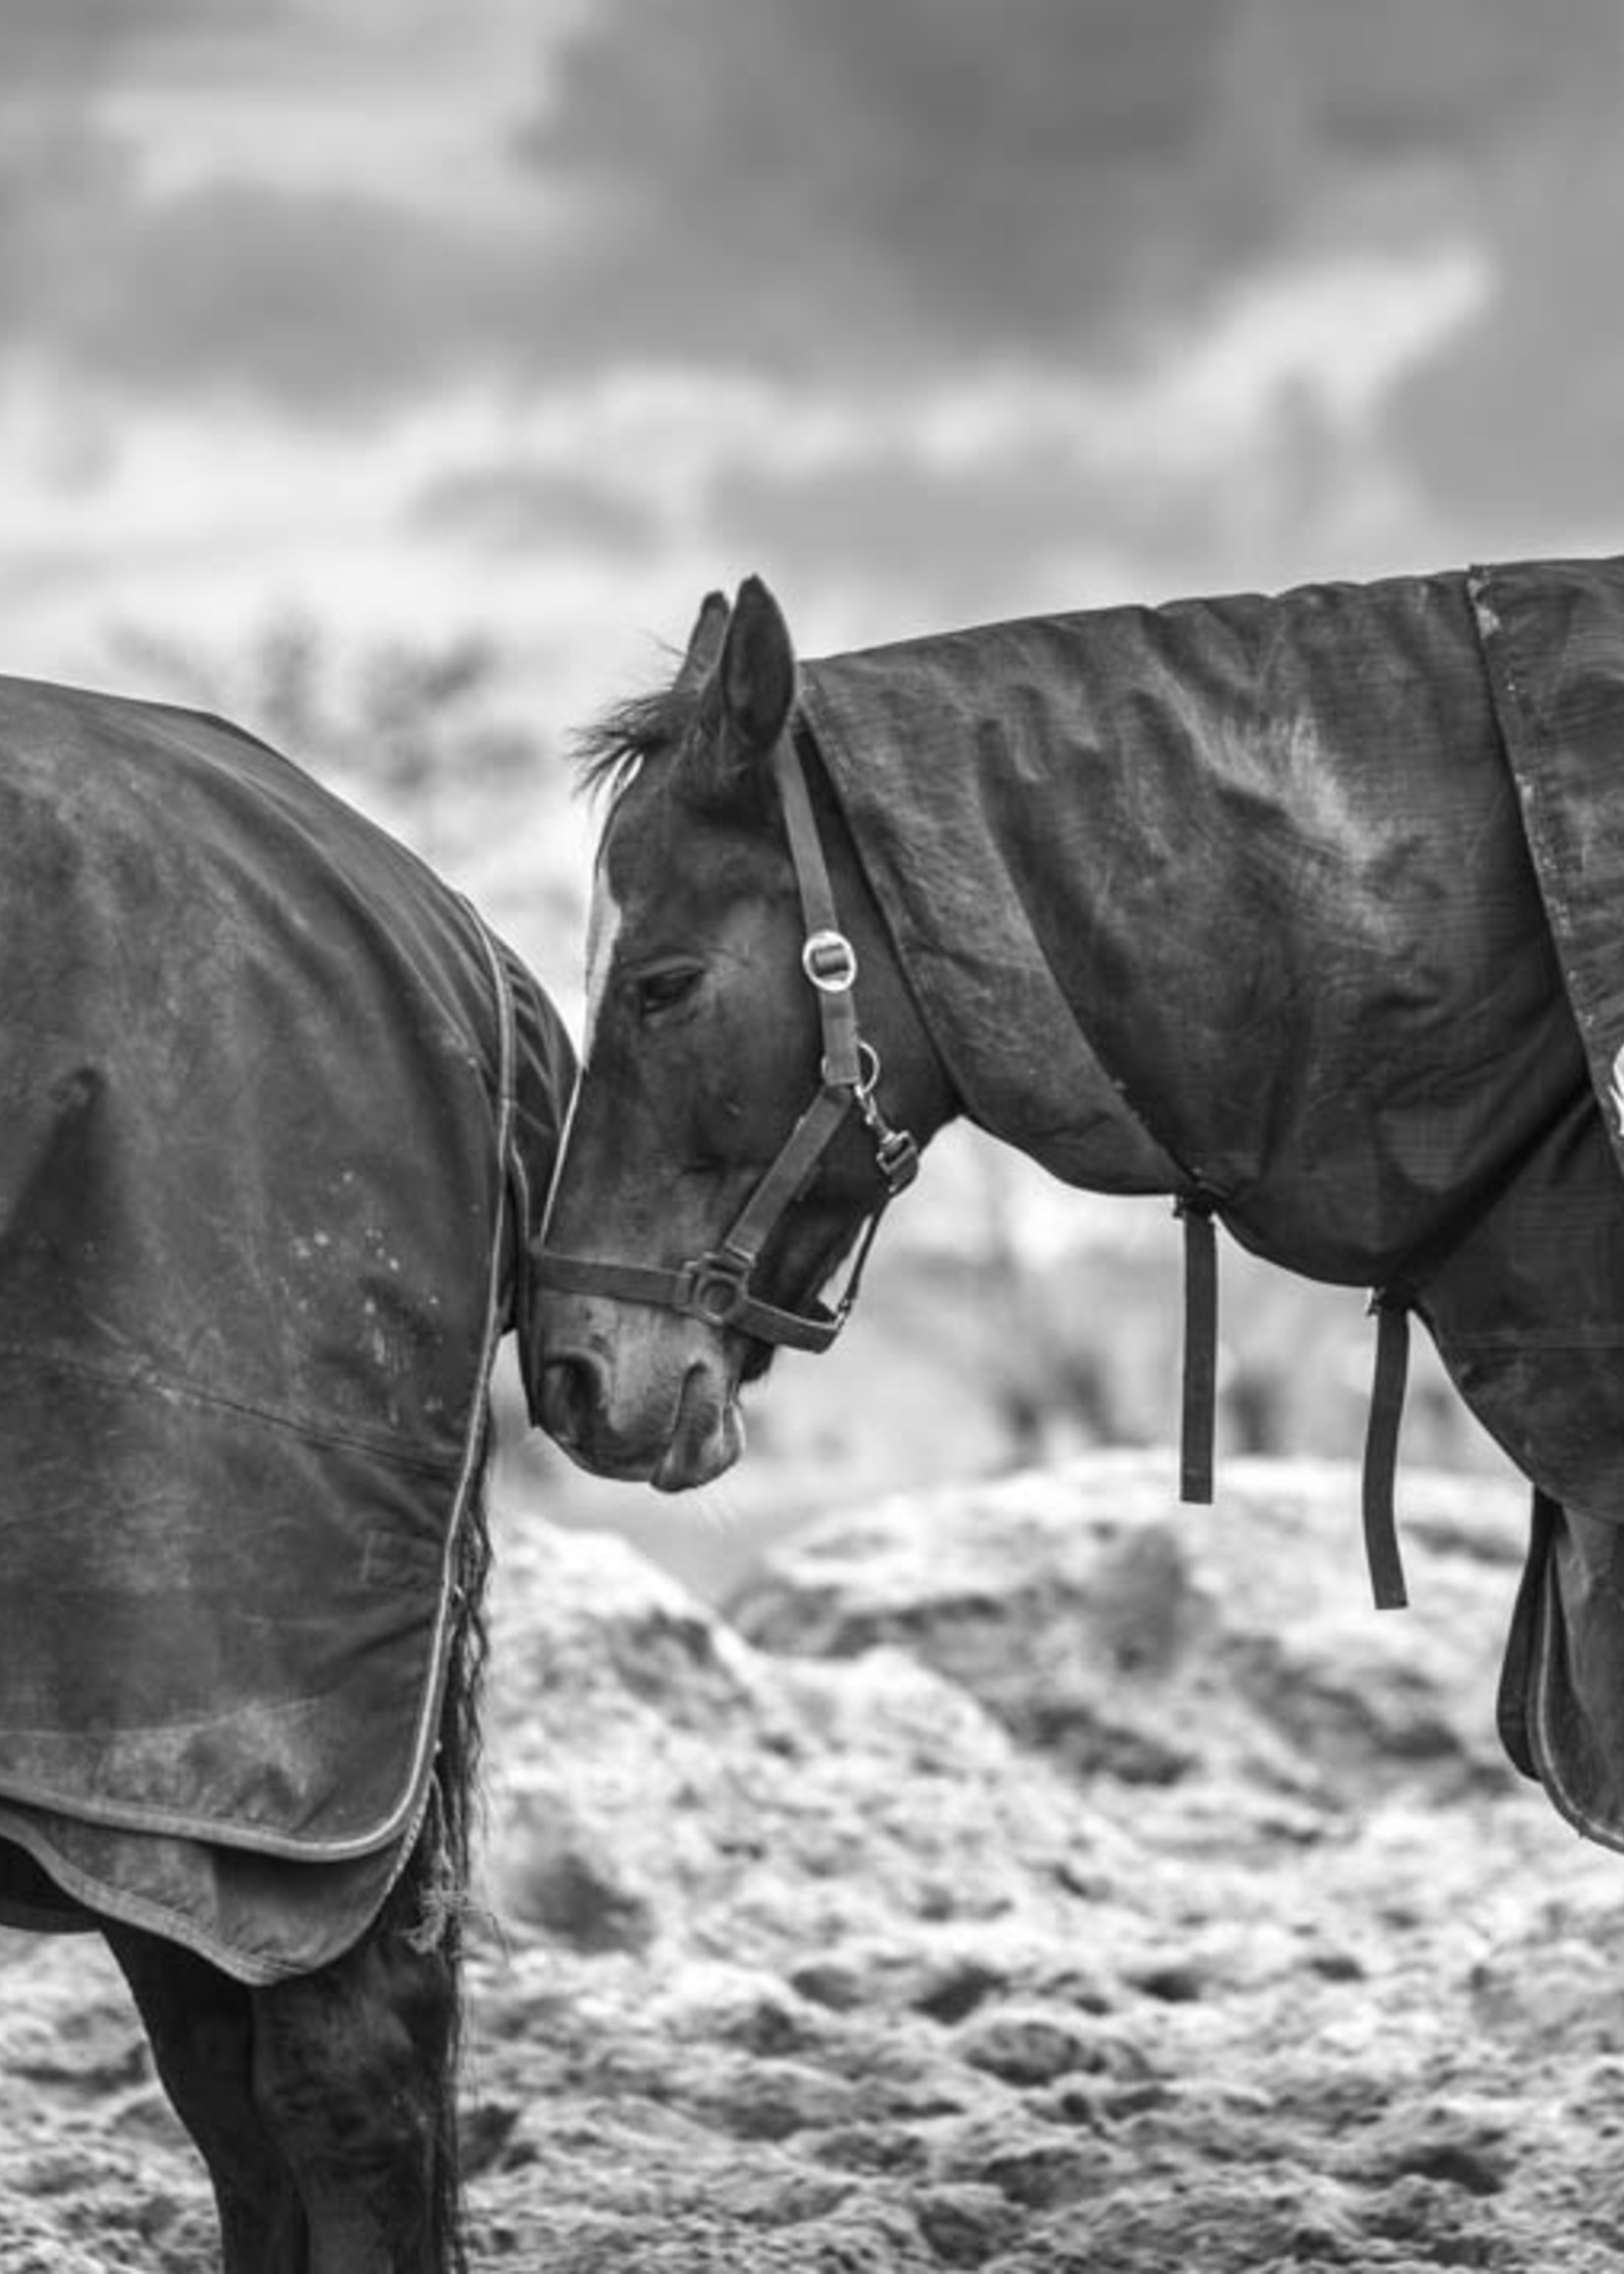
1303,909
279,1116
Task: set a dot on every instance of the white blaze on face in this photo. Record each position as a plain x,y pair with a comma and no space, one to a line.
602,936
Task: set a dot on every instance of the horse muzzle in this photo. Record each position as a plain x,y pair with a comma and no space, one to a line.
674,1429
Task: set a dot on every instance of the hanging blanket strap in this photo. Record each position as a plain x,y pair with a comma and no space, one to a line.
1391,1308
1200,1378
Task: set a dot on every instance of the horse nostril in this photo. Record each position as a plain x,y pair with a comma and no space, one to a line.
569,1394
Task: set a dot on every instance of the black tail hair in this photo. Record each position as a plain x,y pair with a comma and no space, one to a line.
434,1888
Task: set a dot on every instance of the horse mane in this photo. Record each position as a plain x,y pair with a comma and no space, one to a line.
609,754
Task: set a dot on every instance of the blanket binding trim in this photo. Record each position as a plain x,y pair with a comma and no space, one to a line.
134,1910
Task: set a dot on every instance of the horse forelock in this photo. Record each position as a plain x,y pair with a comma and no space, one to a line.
611,753
671,744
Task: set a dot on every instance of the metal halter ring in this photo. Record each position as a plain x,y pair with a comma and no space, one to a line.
830,962
717,1293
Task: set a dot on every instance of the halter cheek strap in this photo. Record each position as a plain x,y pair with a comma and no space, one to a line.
716,1287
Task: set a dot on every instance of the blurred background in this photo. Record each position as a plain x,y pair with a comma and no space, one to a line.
396,374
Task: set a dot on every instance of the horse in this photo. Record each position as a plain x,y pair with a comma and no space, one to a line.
280,1115
1295,909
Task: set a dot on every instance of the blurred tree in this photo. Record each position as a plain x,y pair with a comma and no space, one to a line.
413,731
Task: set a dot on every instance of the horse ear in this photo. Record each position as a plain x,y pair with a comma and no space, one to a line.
704,642
756,674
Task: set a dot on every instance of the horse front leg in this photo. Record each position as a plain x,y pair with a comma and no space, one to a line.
199,2022
352,2070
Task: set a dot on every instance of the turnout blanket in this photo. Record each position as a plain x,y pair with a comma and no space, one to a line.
279,1119
1322,892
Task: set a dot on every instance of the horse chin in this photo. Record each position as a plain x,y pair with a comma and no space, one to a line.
707,1438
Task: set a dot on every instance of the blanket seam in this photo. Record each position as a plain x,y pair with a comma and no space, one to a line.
172,1386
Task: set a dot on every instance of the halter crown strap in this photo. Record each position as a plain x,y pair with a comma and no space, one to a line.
828,956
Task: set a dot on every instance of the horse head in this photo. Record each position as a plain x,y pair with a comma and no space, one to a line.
751,1061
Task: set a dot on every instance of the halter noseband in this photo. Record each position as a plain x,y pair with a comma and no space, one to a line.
715,1286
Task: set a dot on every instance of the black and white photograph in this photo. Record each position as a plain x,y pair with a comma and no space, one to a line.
811,1137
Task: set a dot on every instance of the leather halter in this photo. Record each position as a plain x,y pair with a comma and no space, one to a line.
716,1287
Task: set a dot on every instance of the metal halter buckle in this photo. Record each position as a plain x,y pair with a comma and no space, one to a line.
896,1157
830,962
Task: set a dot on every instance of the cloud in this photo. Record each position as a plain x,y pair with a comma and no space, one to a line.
81,45
1517,434
861,195
788,187
287,203
515,504
56,43
937,309
325,301
811,193
1255,455
849,184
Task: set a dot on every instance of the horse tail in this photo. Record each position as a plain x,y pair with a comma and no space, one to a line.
435,1885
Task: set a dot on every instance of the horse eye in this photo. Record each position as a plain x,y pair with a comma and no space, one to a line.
659,991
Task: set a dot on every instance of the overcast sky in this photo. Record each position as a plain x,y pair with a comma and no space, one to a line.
419,315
